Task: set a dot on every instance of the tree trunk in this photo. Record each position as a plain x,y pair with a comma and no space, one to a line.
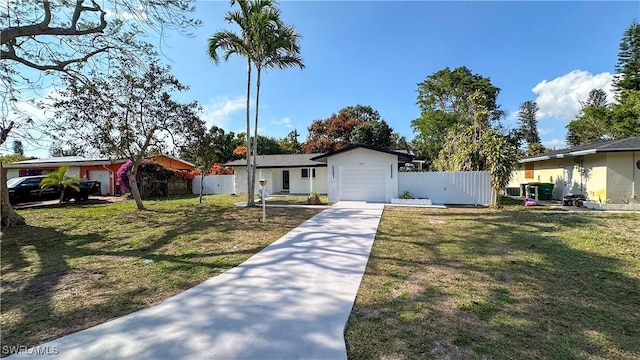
133,184
9,217
61,196
250,188
201,186
255,133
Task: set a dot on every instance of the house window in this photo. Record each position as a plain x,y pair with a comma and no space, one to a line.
305,173
528,170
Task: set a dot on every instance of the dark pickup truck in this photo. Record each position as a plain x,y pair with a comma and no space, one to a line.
27,188
85,189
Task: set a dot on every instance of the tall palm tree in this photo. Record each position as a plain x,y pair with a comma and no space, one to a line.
60,179
242,44
277,46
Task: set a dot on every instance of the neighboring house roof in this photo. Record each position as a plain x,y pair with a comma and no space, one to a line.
59,161
626,144
71,161
402,154
280,161
176,159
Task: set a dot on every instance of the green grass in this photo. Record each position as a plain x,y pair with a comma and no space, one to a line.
76,266
513,283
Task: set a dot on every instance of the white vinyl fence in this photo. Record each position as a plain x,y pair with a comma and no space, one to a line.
215,184
460,187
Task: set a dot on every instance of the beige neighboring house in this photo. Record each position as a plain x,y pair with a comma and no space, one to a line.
604,172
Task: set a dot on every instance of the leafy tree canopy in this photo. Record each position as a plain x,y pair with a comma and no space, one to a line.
123,115
628,67
444,103
352,124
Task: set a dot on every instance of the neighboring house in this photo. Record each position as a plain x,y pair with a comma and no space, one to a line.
102,170
607,171
356,172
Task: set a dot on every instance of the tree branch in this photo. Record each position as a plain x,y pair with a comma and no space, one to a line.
11,55
10,34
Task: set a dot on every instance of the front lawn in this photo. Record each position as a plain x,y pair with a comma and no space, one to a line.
73,267
500,284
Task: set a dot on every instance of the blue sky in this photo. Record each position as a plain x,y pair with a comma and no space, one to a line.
375,53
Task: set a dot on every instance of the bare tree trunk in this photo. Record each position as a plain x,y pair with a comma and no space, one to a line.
9,217
133,184
255,133
201,186
250,189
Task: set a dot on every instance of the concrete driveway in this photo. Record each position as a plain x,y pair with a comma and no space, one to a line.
289,301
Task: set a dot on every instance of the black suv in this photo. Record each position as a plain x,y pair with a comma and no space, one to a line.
27,188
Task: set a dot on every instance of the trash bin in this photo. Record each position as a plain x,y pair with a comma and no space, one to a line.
545,191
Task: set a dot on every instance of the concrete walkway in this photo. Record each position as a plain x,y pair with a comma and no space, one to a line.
289,301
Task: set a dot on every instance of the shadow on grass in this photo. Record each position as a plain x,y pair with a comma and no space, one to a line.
42,266
500,284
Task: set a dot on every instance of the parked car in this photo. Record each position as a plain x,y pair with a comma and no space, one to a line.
574,199
93,186
27,188
82,194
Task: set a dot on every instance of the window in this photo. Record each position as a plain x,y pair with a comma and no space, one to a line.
305,173
528,170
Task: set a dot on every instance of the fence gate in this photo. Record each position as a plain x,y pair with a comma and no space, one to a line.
449,187
215,184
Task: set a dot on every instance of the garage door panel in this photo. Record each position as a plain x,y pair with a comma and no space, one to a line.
362,183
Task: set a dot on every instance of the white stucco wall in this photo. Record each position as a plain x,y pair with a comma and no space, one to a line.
13,173
623,177
300,185
241,180
362,157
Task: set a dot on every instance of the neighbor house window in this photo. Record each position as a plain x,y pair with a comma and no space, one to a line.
305,173
528,170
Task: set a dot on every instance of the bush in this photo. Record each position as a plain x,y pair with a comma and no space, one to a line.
406,195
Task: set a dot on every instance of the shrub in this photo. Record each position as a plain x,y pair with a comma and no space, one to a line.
406,195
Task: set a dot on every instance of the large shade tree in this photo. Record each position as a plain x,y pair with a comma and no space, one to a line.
351,125
42,39
126,116
443,100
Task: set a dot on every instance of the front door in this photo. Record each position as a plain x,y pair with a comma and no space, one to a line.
285,180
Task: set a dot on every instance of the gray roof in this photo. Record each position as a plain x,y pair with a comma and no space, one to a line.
402,155
626,144
281,161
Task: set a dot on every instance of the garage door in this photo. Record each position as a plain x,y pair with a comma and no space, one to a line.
363,183
103,177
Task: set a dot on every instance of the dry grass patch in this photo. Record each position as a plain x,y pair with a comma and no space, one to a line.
512,283
74,267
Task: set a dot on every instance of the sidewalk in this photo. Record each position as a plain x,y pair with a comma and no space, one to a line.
289,301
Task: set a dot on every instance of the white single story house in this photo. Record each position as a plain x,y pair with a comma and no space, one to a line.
356,172
604,172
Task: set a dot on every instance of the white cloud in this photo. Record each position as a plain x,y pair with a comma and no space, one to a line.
286,122
554,144
545,131
219,111
560,98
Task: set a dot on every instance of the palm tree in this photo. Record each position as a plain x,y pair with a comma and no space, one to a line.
60,179
242,44
278,47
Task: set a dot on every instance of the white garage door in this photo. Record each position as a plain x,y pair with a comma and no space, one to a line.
103,177
363,183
